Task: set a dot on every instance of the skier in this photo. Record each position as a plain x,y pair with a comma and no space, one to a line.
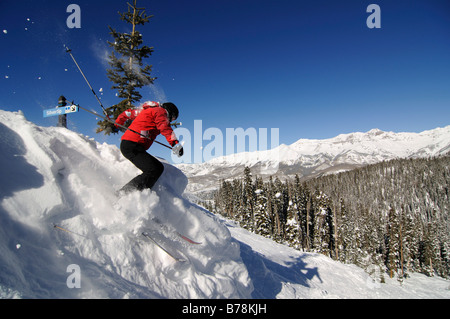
150,121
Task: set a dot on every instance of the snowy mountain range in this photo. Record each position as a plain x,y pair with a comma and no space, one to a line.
65,234
310,158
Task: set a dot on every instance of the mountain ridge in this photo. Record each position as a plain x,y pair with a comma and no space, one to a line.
315,157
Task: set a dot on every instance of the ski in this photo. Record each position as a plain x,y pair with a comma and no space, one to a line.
174,254
190,241
171,254
169,229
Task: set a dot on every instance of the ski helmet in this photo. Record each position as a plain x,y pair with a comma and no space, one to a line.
172,110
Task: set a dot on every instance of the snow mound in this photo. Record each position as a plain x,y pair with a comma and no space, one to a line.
52,176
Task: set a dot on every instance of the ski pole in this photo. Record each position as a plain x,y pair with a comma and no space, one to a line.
122,126
89,84
74,233
67,231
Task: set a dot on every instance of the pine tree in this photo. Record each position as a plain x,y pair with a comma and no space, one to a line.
409,241
262,218
293,229
303,206
348,237
429,249
248,201
223,199
279,209
445,272
128,72
237,199
270,210
393,256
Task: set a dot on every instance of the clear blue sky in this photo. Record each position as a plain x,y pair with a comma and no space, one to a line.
311,68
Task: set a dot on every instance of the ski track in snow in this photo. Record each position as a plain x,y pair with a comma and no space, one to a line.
55,176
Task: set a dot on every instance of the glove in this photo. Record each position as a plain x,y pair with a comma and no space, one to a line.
178,149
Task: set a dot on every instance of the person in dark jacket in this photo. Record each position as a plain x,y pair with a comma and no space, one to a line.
152,119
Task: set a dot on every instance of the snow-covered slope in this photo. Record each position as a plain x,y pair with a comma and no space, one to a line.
281,272
315,157
55,176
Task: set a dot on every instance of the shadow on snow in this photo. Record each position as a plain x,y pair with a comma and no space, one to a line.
268,277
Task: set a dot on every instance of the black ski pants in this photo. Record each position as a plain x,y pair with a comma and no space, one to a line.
151,168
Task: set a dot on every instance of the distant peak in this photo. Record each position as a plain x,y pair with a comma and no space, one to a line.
375,131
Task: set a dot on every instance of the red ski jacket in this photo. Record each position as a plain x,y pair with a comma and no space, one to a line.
150,122
131,114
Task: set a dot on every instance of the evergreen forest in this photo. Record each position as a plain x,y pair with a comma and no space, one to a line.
390,218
